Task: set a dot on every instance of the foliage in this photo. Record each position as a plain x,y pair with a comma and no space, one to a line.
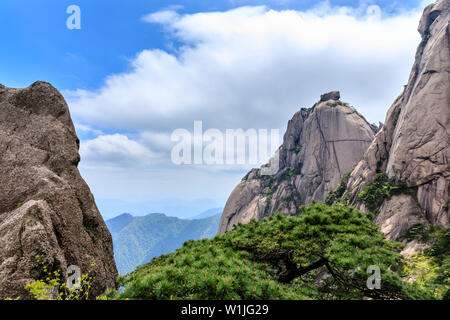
245,178
339,103
204,269
333,196
430,270
380,189
52,286
267,206
424,274
441,247
422,232
321,254
308,111
339,238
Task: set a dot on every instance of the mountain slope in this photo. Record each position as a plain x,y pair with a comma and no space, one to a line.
411,154
320,146
118,223
138,239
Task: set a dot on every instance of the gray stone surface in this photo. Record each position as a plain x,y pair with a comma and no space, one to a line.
320,146
413,146
46,208
398,215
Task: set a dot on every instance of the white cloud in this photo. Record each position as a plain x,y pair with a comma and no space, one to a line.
113,150
87,129
165,16
250,67
159,141
259,2
425,3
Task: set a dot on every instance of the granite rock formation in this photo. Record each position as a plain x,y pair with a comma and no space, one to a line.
320,146
46,208
413,147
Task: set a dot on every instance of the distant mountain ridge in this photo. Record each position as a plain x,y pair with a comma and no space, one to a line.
138,239
207,213
118,223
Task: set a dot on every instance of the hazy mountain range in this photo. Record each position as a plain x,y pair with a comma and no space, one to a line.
208,213
138,239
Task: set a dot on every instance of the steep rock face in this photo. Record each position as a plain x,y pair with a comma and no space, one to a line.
320,146
413,145
46,208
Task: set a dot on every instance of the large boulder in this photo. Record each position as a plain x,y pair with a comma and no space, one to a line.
333,95
320,146
46,208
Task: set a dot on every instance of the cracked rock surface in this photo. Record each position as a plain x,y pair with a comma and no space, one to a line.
320,146
413,147
46,208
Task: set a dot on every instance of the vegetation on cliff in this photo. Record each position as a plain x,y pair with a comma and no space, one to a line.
430,270
380,189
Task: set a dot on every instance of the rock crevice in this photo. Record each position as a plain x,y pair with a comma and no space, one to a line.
413,147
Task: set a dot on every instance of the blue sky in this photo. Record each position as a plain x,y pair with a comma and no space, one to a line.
139,69
39,46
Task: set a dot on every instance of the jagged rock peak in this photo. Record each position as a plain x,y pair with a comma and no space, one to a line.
320,146
46,208
413,147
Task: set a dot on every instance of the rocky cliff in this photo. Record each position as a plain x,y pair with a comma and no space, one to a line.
320,146
412,149
46,208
